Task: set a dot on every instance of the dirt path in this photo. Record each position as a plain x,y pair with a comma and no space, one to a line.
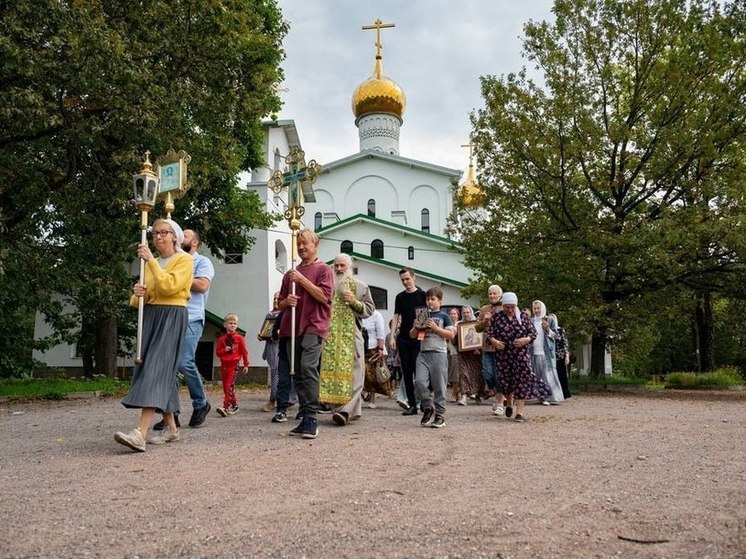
600,476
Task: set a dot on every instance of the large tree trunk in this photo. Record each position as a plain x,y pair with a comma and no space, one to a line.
705,332
106,346
598,355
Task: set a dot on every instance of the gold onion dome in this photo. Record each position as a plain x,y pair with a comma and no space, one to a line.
471,194
378,94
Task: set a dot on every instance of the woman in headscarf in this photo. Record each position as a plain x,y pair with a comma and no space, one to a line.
543,357
511,332
166,290
453,313
470,379
562,354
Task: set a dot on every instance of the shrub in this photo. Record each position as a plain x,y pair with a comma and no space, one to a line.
724,377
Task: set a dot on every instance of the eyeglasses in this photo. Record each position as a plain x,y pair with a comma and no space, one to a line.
161,233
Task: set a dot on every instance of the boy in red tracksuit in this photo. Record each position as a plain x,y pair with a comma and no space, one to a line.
230,348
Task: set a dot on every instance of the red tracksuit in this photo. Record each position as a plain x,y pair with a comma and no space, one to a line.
230,348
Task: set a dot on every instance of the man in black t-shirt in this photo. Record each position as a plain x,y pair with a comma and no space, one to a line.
405,306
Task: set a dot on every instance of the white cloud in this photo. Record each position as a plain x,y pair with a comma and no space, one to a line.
436,53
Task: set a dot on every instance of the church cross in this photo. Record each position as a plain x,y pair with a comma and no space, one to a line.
470,145
378,25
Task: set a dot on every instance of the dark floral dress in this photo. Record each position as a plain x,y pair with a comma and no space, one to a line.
514,364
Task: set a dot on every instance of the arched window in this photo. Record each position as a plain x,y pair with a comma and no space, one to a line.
376,248
281,256
317,221
380,298
410,253
425,217
346,247
372,207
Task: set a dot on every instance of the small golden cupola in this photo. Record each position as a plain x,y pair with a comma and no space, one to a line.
470,194
378,104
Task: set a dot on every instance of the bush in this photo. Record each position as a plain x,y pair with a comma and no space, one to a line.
725,377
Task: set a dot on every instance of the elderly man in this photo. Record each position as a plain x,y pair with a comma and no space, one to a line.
343,358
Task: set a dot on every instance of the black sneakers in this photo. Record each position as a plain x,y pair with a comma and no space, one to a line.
410,411
199,415
519,418
438,422
308,429
427,418
280,417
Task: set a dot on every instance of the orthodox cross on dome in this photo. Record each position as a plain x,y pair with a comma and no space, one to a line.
470,145
378,25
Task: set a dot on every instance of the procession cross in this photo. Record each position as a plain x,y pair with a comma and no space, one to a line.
298,180
378,25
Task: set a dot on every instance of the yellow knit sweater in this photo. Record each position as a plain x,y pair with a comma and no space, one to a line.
171,285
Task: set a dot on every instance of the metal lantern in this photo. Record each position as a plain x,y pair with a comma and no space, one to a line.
146,185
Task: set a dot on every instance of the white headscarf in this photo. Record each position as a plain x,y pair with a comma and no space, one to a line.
543,309
510,298
178,232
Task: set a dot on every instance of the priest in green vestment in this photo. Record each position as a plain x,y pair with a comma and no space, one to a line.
343,358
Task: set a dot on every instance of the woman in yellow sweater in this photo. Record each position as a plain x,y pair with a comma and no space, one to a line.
166,289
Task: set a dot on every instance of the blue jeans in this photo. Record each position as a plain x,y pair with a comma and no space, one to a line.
489,371
188,365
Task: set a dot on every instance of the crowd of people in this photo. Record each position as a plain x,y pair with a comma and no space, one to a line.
328,350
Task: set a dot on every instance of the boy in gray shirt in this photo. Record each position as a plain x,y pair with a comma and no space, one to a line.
432,362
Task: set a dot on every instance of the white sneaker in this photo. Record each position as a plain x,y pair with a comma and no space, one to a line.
372,406
498,410
166,436
462,400
133,439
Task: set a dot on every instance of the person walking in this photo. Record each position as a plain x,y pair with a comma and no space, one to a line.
203,274
314,283
543,359
343,358
165,289
405,305
511,332
562,354
375,354
432,360
489,358
230,349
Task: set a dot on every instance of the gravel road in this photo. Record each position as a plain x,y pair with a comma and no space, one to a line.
599,476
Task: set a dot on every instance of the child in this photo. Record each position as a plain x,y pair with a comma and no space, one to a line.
431,367
230,348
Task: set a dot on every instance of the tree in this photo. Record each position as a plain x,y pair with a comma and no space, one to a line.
86,88
618,172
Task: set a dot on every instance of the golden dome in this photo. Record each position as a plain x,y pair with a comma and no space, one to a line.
378,94
470,193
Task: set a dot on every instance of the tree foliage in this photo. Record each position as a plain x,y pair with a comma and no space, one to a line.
617,172
87,86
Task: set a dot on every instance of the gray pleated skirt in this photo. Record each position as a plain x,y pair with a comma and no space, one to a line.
154,382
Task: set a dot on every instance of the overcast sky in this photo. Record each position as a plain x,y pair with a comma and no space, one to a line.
436,53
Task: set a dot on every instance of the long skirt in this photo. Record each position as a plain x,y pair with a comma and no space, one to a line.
544,369
470,379
372,386
154,381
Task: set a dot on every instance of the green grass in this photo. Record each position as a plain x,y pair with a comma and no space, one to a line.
721,378
58,389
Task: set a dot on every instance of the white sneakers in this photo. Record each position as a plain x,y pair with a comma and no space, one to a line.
462,400
497,409
133,439
166,436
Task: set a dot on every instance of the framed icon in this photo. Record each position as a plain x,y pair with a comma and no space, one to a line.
468,337
265,332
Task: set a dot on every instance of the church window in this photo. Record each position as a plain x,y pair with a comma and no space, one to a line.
372,207
380,298
346,247
376,248
233,257
281,257
410,253
317,221
425,216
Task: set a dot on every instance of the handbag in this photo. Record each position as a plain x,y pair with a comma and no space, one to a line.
382,372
